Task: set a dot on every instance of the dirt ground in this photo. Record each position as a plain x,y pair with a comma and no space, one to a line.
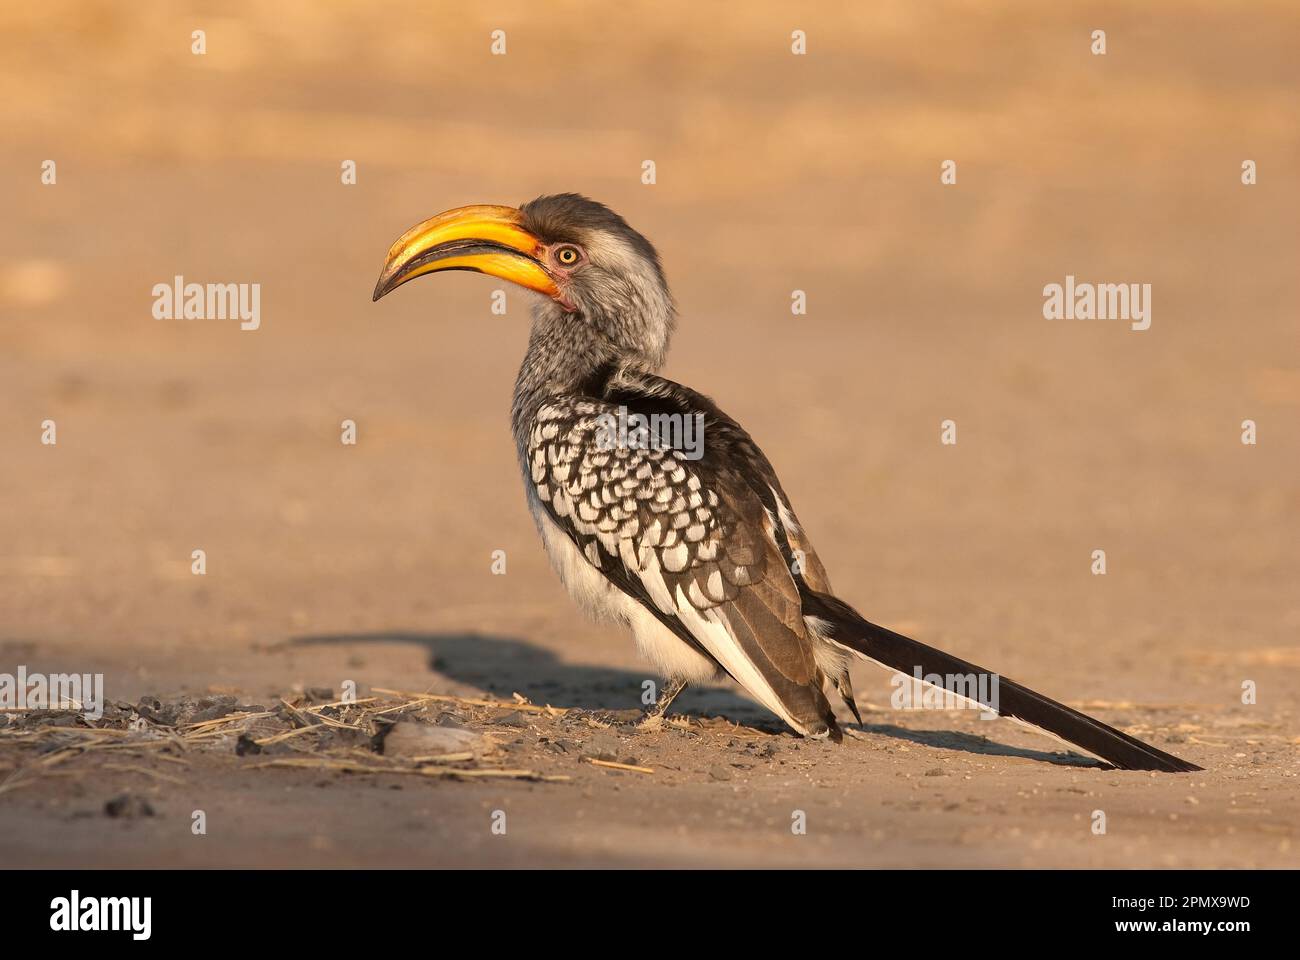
371,564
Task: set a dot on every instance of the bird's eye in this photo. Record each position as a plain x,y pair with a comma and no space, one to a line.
567,256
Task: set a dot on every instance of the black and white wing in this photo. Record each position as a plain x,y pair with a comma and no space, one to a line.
699,543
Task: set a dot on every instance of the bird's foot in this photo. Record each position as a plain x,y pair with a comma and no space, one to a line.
651,722
654,718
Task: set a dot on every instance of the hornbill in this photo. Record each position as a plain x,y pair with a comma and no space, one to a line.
702,557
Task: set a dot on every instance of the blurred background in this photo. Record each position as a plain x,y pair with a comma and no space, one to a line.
775,172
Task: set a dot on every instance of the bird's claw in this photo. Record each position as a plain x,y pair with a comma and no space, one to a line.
652,721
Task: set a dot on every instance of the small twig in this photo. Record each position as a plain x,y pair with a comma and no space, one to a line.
58,756
279,737
297,715
228,718
444,758
618,766
444,697
341,703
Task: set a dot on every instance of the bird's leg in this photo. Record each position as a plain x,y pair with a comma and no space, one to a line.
655,715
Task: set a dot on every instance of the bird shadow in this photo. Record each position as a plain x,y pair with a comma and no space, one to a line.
974,743
503,665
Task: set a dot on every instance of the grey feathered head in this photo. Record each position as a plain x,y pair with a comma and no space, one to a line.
602,279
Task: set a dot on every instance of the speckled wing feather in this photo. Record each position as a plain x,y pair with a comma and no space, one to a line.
690,539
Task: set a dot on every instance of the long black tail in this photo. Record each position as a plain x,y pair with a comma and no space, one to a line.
905,655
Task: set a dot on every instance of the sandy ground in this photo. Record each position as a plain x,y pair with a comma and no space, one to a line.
372,563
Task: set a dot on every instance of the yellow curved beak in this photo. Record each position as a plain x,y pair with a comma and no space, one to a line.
486,238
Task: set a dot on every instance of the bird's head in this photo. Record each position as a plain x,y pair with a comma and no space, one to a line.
599,279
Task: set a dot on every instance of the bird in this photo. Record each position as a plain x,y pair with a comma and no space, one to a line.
698,550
